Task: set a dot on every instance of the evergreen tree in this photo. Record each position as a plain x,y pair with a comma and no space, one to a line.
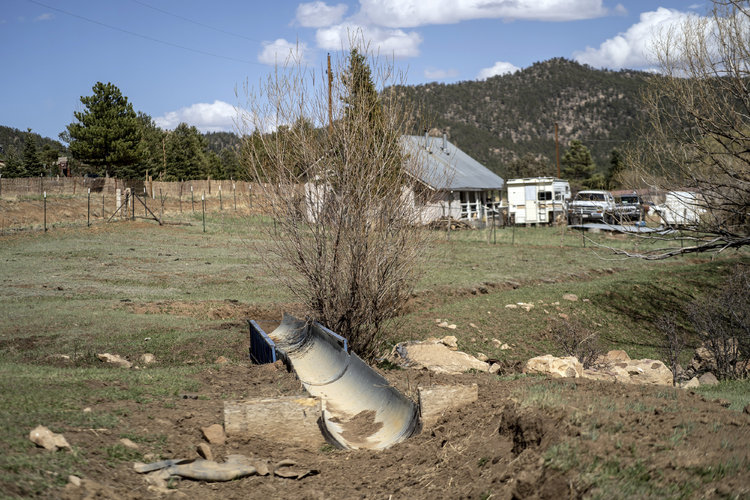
106,134
150,144
13,164
616,165
528,166
185,157
577,162
32,164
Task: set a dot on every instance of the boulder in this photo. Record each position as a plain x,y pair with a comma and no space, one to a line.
434,356
641,371
691,384
708,378
568,367
613,356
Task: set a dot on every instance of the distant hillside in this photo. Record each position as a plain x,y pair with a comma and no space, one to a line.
12,139
505,117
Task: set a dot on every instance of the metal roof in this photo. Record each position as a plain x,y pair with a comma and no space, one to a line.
442,165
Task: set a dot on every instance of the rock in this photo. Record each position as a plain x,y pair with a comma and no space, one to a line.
204,451
482,356
443,324
214,434
450,341
435,400
571,297
497,342
691,384
87,410
452,327
708,378
505,347
568,367
473,325
221,360
614,356
563,315
128,444
114,359
74,480
510,306
434,356
494,368
147,358
45,438
641,371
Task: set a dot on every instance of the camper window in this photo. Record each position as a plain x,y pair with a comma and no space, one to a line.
545,195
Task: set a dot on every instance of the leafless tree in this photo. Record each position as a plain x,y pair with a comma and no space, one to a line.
675,341
722,322
698,138
341,191
575,340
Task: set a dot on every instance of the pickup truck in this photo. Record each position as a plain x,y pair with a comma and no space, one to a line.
592,205
630,207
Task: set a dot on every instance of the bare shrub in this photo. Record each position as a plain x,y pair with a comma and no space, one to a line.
675,341
339,188
570,336
722,322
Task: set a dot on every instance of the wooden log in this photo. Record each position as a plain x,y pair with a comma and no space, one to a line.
435,400
288,420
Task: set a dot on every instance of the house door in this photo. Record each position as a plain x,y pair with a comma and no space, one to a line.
530,195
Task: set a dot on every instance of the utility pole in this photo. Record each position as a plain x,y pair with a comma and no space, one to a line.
557,151
330,99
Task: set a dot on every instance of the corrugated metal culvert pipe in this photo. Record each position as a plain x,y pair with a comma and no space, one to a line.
360,408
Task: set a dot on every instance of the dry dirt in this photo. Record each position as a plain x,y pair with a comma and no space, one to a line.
525,437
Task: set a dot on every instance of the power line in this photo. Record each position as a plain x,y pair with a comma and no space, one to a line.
139,35
195,22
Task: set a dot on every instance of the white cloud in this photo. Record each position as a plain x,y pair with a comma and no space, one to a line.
440,74
47,16
282,52
204,116
499,68
632,49
387,42
411,13
320,14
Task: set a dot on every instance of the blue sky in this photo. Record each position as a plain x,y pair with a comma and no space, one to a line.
181,60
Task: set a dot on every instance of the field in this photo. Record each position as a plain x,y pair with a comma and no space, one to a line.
183,294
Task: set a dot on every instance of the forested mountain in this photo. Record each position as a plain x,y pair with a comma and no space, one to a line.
507,117
12,138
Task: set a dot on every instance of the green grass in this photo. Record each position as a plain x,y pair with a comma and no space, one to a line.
129,289
737,392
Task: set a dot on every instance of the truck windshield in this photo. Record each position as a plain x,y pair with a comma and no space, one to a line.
590,196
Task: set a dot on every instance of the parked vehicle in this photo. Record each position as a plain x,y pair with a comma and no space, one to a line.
630,207
592,205
681,208
537,200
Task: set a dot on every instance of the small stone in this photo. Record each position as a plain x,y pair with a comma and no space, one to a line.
505,347
214,434
691,384
114,359
204,451
147,358
482,356
494,368
563,315
497,342
128,443
45,438
450,341
585,300
510,306
571,297
74,480
87,410
452,327
221,360
473,325
443,324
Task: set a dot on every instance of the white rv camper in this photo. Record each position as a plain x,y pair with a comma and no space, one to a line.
682,208
537,200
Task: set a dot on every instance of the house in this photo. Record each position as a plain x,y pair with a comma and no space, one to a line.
456,184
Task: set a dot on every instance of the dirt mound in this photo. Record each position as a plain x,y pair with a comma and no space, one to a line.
526,437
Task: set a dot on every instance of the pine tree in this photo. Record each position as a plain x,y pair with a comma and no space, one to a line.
32,164
106,134
577,162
